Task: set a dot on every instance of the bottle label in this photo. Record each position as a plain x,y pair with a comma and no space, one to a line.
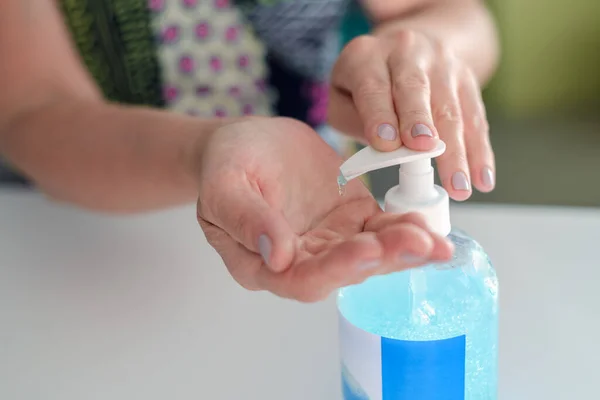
379,368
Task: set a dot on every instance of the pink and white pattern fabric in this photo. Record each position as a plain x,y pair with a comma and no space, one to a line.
212,63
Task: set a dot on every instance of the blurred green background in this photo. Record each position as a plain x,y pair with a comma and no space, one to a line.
542,104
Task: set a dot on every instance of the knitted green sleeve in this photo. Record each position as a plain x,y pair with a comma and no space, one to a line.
116,43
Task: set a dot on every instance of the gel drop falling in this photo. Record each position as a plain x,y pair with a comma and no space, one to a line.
341,182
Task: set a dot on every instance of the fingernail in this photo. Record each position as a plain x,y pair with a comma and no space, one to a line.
264,247
487,176
411,259
387,132
369,265
460,181
421,130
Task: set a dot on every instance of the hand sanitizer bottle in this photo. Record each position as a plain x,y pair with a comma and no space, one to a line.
429,333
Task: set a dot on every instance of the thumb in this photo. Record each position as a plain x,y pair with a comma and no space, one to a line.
248,219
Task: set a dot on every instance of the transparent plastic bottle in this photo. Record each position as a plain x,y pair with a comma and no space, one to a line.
428,333
431,304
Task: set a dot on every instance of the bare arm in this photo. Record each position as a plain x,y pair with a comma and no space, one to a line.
56,128
464,25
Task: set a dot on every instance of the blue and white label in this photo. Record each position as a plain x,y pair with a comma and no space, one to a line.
378,368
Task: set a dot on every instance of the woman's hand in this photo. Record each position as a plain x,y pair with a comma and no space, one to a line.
269,204
406,88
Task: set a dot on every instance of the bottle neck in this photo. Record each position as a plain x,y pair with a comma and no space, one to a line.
435,208
416,181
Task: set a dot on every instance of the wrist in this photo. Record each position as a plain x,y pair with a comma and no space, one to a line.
198,133
201,132
396,33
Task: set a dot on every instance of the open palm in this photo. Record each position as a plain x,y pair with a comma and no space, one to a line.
269,204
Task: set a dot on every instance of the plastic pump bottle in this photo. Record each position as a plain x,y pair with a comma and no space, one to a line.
429,333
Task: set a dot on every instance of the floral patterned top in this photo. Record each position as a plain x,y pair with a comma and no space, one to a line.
211,61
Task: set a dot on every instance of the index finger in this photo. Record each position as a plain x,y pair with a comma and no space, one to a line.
362,72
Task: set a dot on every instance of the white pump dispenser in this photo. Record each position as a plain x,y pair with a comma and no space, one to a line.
416,191
421,333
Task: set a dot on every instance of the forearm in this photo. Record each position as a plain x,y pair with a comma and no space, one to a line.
107,157
465,26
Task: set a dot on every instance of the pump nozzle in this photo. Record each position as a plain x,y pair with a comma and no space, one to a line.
416,191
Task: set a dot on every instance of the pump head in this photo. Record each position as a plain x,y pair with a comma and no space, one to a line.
416,190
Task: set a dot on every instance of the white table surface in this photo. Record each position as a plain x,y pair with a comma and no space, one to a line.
127,308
